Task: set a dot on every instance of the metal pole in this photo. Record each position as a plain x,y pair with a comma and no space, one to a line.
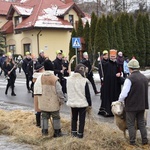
76,56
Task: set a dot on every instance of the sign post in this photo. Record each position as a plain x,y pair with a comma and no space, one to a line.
76,43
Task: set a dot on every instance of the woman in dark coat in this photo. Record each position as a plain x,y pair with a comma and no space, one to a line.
9,68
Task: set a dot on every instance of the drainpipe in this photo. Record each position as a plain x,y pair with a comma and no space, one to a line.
38,41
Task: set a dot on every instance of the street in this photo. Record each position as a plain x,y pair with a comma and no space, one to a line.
24,98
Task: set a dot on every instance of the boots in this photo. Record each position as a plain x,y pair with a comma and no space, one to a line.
44,132
57,133
6,91
80,135
74,133
13,93
38,119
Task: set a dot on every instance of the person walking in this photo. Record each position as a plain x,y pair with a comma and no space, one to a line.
111,84
79,99
19,63
41,58
27,67
134,94
89,74
9,68
50,97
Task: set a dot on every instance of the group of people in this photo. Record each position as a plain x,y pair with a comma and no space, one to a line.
50,89
134,94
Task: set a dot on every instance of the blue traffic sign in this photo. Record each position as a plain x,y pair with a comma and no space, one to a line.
76,43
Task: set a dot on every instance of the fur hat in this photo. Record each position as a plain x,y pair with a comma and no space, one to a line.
80,68
133,63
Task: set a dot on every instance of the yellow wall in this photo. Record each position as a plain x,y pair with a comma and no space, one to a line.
50,40
75,16
2,20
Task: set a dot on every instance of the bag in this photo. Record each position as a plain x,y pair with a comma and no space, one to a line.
121,80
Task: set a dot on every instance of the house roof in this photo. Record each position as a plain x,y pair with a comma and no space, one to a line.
8,27
4,7
43,13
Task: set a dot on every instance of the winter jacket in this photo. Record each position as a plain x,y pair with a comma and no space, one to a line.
76,90
52,95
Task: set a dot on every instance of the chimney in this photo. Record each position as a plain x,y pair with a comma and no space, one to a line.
66,1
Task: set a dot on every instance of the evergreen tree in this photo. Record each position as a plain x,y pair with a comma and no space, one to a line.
92,36
72,51
146,23
133,38
125,33
110,30
80,28
119,40
86,31
141,40
114,38
97,37
102,38
2,44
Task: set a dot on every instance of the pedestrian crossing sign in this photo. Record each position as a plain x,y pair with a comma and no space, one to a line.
76,42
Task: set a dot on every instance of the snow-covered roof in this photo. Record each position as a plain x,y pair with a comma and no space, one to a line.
23,10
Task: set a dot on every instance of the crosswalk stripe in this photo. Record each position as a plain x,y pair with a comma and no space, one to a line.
20,82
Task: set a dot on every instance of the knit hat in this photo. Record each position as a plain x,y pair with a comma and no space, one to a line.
38,67
113,52
85,53
9,54
133,63
80,68
120,54
41,51
59,52
27,53
105,52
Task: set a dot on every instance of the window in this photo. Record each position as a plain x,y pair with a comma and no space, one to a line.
27,48
12,49
17,21
71,19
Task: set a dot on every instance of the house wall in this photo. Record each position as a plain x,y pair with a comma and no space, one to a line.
50,40
2,20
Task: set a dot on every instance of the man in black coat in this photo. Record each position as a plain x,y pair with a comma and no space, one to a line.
89,74
41,58
58,69
27,67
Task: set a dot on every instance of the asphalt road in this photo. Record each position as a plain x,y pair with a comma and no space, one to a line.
24,98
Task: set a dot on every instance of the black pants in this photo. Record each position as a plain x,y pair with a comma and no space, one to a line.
10,83
81,112
93,83
28,79
131,117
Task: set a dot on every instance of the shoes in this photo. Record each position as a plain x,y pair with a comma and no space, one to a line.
13,94
44,132
29,91
5,92
74,134
80,135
